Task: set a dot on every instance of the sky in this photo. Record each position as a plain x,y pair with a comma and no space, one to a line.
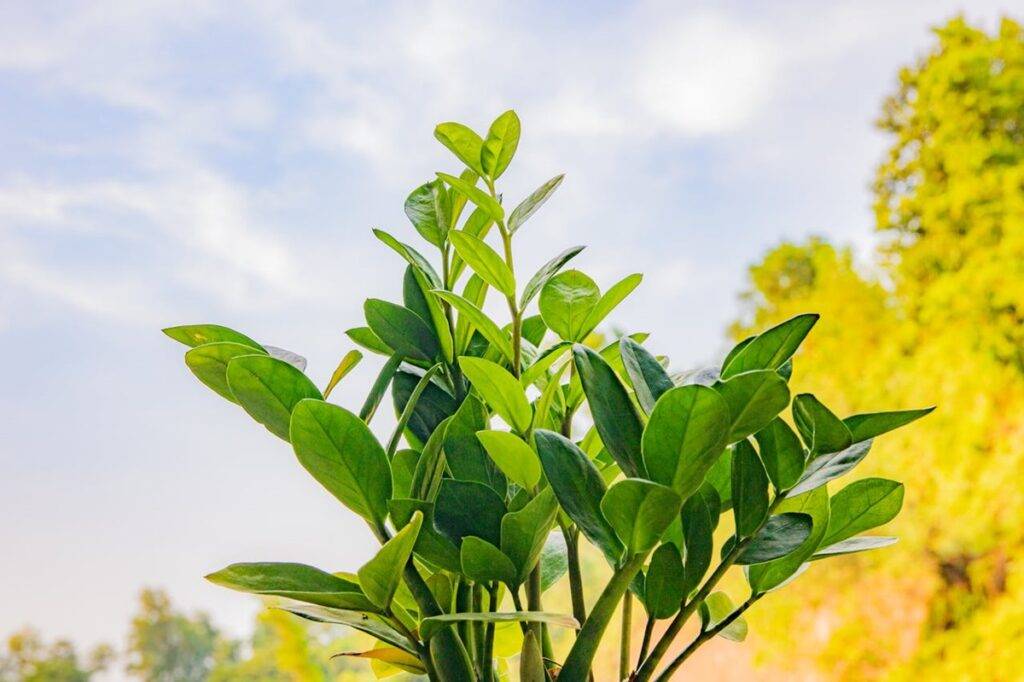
179,162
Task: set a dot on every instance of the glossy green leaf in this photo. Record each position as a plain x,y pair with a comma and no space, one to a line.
554,561
403,466
646,375
463,142
530,204
431,546
579,488
720,478
201,334
684,436
500,144
772,348
524,532
565,302
516,459
664,582
346,365
500,390
699,519
749,489
735,351
466,508
476,195
822,431
430,626
782,454
754,400
368,623
823,469
293,581
861,506
614,415
432,465
609,301
483,562
434,404
872,424
479,320
640,511
485,262
380,576
411,256
434,313
209,364
479,225
768,576
716,608
862,543
781,534
342,454
546,272
428,208
466,457
534,329
366,338
401,329
268,389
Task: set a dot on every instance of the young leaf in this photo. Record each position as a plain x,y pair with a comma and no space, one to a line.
664,582
366,338
716,608
467,508
500,145
476,195
862,543
782,534
684,436
485,262
822,431
579,488
749,489
500,390
346,365
479,320
699,519
200,334
293,581
870,425
768,576
772,348
782,454
463,142
390,658
640,511
428,210
609,301
530,204
861,506
516,459
430,626
268,389
411,256
483,562
648,378
524,532
380,576
566,301
342,454
401,329
614,414
823,469
547,271
209,364
754,400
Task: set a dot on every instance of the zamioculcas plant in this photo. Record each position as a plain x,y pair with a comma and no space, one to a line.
481,493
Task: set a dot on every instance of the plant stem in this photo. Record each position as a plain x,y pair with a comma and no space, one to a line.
624,639
478,628
409,407
387,372
646,643
488,657
572,548
517,603
666,674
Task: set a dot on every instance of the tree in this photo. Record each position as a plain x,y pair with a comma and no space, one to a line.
29,659
167,646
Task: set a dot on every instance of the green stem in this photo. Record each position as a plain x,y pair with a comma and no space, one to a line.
667,673
624,639
478,629
646,643
380,385
488,658
581,656
464,604
403,420
572,548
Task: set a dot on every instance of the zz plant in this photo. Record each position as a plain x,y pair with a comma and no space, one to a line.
486,500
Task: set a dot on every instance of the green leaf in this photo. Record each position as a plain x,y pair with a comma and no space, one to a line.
476,195
346,365
401,329
534,329
609,301
411,256
485,262
861,506
862,543
380,385
565,302
524,532
685,436
478,319
640,511
500,145
547,271
554,561
648,378
342,454
474,293
380,576
390,660
479,225
516,459
754,400
768,576
483,562
664,582
699,519
720,478
782,454
466,457
579,488
530,204
716,608
209,363
872,424
432,465
612,409
430,626
434,312
463,142
531,661
427,208
772,348
201,334
823,469
467,508
431,546
822,431
364,337
749,489
268,389
433,407
735,351
403,466
368,623
293,581
500,390
781,534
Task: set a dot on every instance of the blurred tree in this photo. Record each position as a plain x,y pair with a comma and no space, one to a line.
29,659
939,319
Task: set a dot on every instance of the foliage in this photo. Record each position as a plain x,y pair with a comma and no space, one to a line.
29,659
937,318
493,467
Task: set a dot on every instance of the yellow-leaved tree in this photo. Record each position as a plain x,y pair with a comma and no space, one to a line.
938,317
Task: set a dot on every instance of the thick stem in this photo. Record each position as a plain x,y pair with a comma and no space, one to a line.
488,657
447,650
666,674
464,604
572,548
646,643
478,629
577,664
624,639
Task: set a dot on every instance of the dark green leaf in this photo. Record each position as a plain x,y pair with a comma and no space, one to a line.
768,576
268,389
483,562
467,508
699,519
614,414
200,334
500,390
547,271
524,532
421,300
735,351
534,329
822,431
648,378
862,543
770,349
380,385
565,302
861,506
664,582
749,489
467,458
427,208
434,405
720,478
411,256
781,534
209,363
782,454
500,145
823,469
463,142
640,511
530,204
870,425
431,546
401,329
608,302
380,576
754,400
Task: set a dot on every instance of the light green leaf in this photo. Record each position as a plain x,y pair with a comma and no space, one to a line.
209,363
200,334
500,145
268,389
716,608
530,204
479,225
524,532
465,455
476,195
547,271
749,489
566,301
475,293
368,623
516,459
772,348
380,576
346,365
387,661
870,425
411,256
428,209
862,543
483,562
861,506
434,314
782,454
754,400
401,329
664,582
500,390
640,511
609,301
485,262
822,431
463,142
479,320
554,560
293,581
430,626
781,534
531,660
648,378
366,338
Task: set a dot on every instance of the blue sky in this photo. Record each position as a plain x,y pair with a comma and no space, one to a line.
173,162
